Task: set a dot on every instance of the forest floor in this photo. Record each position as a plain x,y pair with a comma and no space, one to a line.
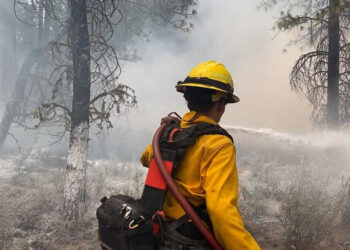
289,198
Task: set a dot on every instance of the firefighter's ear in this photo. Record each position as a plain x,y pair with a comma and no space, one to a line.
221,104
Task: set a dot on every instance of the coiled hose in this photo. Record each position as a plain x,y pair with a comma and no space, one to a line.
207,234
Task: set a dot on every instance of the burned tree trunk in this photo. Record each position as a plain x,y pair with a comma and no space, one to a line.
333,65
75,184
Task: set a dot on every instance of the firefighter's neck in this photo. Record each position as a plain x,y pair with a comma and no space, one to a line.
216,111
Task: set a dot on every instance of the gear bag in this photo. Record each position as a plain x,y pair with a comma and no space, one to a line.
128,224
124,225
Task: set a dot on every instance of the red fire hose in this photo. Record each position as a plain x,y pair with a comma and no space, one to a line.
178,196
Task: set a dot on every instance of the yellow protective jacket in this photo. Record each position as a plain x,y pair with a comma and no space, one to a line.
208,172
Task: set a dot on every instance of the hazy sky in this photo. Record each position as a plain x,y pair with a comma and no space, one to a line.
239,35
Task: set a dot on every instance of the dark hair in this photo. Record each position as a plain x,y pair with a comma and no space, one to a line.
199,99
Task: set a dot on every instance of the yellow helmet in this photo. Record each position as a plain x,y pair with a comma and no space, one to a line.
210,75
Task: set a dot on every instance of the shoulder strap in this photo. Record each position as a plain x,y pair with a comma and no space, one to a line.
203,128
188,136
173,144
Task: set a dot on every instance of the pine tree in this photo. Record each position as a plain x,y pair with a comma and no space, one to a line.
322,74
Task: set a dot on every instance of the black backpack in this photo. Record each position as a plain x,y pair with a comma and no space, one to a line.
128,224
124,225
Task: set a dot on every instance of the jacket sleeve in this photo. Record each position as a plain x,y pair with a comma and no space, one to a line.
221,187
147,156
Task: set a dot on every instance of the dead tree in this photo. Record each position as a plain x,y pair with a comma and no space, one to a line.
82,87
74,191
14,108
333,64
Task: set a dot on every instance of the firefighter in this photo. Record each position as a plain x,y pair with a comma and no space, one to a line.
207,173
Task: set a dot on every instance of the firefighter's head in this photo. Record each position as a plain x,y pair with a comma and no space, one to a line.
208,87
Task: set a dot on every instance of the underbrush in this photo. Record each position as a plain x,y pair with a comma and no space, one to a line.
32,203
294,200
290,198
307,214
344,202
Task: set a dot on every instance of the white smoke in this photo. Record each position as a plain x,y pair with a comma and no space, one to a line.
237,34
323,139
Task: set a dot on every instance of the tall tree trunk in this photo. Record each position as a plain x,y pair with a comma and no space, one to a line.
333,65
75,184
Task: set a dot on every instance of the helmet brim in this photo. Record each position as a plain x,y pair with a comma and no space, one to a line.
233,99
181,88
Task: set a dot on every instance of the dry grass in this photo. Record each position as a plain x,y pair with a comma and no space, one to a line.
307,216
289,199
293,196
32,198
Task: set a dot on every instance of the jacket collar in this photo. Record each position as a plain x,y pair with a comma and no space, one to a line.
200,118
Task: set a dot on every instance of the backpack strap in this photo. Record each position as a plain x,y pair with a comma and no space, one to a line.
173,144
183,219
191,134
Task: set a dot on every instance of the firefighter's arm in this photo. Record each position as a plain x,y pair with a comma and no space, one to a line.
147,156
221,186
